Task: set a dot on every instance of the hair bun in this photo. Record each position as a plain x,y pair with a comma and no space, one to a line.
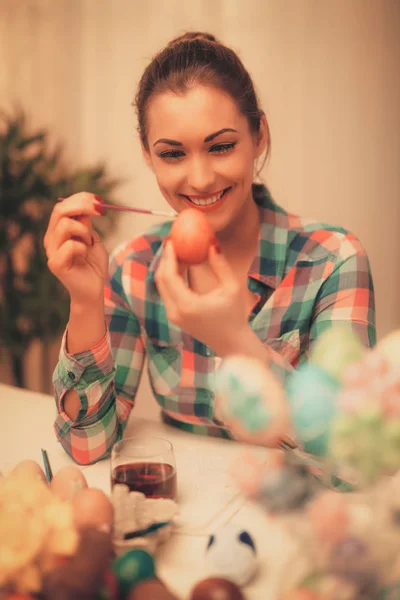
190,36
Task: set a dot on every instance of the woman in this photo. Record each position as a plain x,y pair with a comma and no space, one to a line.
272,284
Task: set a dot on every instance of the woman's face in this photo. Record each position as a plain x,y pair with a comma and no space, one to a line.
202,152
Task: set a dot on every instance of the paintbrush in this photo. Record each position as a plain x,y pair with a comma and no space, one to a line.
145,211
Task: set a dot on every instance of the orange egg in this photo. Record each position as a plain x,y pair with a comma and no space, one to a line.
30,466
191,236
67,482
92,508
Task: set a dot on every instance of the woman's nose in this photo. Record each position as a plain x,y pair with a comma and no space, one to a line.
201,175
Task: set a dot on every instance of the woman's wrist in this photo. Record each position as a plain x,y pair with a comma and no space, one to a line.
244,342
86,326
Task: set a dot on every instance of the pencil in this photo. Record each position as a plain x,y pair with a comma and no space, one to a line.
47,467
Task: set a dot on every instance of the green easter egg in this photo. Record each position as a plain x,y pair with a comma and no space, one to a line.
312,397
336,349
132,567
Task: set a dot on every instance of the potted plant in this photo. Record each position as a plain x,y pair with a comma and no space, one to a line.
33,304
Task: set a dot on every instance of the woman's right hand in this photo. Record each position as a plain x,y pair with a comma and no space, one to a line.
75,254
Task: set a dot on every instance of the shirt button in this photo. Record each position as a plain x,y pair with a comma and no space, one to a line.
71,375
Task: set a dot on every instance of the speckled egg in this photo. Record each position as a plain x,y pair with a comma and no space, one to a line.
312,396
67,482
132,567
231,554
92,508
151,589
31,467
336,349
216,588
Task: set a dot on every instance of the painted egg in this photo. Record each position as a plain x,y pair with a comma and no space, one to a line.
216,588
30,467
351,558
329,516
151,589
251,400
312,396
231,554
191,236
302,594
67,482
336,349
389,347
132,567
92,508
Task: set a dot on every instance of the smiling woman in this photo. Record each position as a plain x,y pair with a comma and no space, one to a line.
271,284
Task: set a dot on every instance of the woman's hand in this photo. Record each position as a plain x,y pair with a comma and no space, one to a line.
216,318
75,253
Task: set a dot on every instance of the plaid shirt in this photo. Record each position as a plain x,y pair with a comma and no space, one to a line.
307,276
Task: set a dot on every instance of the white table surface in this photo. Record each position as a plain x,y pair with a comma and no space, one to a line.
204,486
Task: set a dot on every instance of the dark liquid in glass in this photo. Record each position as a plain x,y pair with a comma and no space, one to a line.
154,479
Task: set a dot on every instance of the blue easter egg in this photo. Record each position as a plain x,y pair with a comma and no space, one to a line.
132,567
312,396
336,349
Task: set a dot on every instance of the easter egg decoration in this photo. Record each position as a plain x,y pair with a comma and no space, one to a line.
67,482
92,508
216,588
329,516
251,401
191,236
151,589
231,554
336,349
352,559
31,467
312,395
132,567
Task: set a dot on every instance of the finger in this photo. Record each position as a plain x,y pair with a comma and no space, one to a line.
66,229
221,268
79,205
173,283
66,256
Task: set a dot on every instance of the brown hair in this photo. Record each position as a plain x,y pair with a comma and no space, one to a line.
198,58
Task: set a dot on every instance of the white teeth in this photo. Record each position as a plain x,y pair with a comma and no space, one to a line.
207,201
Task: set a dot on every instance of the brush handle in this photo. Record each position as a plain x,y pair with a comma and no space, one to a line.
145,211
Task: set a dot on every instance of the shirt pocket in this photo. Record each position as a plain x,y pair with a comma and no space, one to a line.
164,366
287,345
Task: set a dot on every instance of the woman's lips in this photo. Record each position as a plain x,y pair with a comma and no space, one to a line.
210,207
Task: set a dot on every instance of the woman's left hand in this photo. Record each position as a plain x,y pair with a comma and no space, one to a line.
216,318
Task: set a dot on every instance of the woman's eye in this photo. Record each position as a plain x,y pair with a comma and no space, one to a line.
223,147
171,154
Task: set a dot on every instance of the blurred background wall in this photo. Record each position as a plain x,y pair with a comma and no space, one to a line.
327,73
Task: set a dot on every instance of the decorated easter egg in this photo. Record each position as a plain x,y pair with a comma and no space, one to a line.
389,347
151,589
251,400
67,481
329,516
216,588
336,349
191,235
231,554
132,567
92,508
352,559
31,467
312,396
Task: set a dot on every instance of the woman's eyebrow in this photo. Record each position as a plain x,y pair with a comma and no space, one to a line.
209,138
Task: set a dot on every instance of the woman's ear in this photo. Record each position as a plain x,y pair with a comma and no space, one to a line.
262,137
147,156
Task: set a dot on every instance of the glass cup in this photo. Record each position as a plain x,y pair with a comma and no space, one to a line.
145,464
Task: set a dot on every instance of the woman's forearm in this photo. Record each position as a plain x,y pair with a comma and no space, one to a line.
86,328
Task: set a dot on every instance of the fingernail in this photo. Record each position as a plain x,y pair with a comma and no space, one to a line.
60,199
217,246
99,198
99,209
